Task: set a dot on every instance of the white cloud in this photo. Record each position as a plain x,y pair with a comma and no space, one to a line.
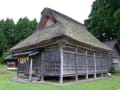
77,9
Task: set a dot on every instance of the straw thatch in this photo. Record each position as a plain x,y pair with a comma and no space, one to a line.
63,26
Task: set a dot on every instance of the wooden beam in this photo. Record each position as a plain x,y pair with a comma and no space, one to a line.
87,48
18,69
61,64
86,64
40,45
76,71
102,74
94,65
30,71
42,64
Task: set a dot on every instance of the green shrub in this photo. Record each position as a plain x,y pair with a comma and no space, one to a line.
112,70
5,54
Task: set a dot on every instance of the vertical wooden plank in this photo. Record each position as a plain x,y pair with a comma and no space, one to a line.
94,65
76,70
86,64
30,71
18,69
42,64
61,65
102,65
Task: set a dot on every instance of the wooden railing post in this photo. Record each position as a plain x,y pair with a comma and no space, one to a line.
86,64
76,70
42,64
61,64
94,65
30,71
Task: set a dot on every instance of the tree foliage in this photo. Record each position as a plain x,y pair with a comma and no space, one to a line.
3,41
24,28
4,55
104,19
8,31
11,33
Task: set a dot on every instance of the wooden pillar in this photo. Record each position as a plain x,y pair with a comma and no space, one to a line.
42,78
18,70
61,65
76,71
94,65
17,73
42,68
86,64
30,71
102,66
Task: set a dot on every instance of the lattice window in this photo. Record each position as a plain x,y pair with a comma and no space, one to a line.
51,62
81,63
90,63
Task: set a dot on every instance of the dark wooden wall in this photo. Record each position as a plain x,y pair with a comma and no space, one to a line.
48,63
71,56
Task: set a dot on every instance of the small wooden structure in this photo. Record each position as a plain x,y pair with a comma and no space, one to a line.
61,47
115,54
11,62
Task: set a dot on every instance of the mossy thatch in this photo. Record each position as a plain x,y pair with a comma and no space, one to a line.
63,26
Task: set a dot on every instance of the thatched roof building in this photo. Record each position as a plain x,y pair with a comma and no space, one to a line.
11,62
115,53
61,47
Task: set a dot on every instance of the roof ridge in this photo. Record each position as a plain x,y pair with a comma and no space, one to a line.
49,10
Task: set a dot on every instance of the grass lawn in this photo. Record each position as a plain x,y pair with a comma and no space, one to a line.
6,84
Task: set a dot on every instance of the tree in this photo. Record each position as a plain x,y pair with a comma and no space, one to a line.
103,20
8,31
3,41
14,33
117,23
24,28
7,27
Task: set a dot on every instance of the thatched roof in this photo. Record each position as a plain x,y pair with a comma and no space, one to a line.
63,26
115,46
